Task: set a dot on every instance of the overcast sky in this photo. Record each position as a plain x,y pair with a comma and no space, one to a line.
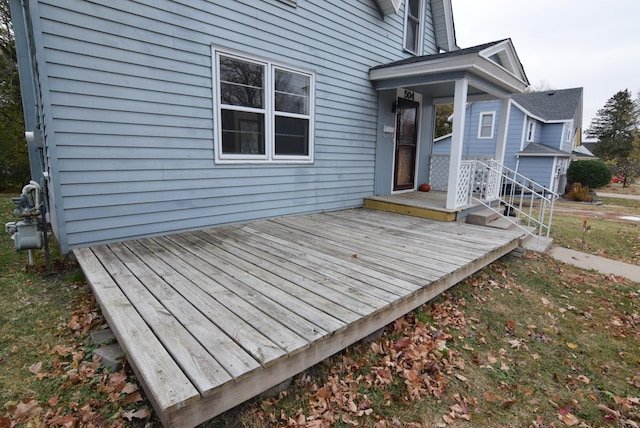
562,43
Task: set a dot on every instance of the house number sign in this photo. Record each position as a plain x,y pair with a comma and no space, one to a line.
409,95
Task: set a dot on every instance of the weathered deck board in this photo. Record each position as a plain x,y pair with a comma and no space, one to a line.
211,318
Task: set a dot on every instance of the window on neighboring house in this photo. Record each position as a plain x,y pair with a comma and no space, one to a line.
263,110
485,129
413,26
531,130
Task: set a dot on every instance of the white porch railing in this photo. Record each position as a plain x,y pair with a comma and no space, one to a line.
530,202
527,204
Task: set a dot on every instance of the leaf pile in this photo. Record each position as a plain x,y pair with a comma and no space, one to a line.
410,362
84,393
524,342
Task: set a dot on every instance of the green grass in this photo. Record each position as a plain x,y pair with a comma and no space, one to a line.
606,235
45,348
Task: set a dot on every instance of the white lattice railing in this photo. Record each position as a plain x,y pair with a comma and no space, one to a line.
470,179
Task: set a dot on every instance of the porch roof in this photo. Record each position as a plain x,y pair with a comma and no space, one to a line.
492,68
538,149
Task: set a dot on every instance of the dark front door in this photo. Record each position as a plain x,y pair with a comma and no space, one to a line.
406,145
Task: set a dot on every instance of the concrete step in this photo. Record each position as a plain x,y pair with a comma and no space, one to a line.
110,353
540,244
501,223
482,217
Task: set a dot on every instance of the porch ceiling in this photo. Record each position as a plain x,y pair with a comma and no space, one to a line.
493,70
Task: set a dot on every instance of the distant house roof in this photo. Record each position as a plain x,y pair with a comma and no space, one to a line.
556,105
537,149
582,152
590,146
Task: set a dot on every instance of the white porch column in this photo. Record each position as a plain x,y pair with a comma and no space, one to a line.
503,124
455,158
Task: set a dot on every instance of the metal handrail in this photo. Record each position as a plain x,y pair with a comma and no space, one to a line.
497,183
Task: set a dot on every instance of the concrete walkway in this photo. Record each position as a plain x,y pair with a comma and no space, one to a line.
619,195
597,263
600,264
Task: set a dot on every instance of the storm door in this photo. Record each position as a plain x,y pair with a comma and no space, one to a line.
406,144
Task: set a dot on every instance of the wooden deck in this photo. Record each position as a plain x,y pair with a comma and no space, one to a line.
212,318
429,205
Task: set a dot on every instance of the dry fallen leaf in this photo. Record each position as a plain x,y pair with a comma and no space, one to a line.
27,409
568,419
36,368
584,379
142,413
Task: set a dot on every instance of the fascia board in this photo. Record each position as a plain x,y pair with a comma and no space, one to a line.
507,47
543,155
493,72
451,31
414,69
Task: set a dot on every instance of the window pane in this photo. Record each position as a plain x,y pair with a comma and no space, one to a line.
292,92
242,132
412,36
486,125
414,8
292,136
241,83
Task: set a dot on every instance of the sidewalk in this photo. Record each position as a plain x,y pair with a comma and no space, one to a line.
600,264
619,195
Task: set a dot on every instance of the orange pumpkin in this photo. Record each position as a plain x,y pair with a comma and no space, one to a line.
424,187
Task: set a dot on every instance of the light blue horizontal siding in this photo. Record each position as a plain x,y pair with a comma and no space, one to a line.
551,134
515,134
131,110
538,169
474,146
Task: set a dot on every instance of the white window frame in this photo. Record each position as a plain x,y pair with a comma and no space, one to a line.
531,130
269,111
481,126
569,131
420,32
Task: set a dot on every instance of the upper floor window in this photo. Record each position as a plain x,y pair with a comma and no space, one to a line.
263,110
531,130
485,128
413,26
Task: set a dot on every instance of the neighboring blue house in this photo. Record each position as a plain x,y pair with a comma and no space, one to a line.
543,133
149,118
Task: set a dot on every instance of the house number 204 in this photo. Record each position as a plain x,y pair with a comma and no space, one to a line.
409,95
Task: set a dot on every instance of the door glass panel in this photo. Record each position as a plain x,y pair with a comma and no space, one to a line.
406,145
405,164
